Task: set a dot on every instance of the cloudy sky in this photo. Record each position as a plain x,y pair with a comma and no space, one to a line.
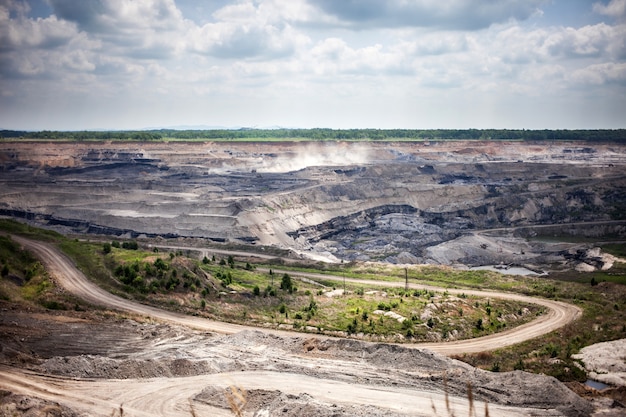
132,64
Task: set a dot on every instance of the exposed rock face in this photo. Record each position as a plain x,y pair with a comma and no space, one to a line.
395,202
605,362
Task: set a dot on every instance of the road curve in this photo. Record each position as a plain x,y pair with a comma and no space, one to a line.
65,273
172,396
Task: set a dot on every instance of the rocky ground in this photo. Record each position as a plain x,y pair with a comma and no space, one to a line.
91,349
471,203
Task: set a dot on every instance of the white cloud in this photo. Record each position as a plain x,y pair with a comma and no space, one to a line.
251,29
231,40
22,32
450,14
266,59
599,74
594,40
615,8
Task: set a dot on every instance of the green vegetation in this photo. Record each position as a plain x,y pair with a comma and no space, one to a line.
604,315
25,279
231,289
597,135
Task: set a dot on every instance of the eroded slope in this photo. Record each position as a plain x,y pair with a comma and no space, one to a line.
396,202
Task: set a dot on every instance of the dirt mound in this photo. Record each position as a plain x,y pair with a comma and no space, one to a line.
425,370
381,354
20,405
88,366
264,403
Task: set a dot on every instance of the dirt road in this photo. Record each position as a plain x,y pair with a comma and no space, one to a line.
69,277
171,396
320,380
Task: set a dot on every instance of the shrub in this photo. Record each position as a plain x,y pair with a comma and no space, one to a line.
286,283
479,324
132,245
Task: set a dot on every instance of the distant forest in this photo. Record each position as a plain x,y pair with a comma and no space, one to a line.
597,135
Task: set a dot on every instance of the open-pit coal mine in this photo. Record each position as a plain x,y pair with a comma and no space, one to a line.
525,207
447,202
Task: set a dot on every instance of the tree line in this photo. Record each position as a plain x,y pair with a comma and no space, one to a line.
320,134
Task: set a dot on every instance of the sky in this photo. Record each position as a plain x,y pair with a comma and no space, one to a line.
342,64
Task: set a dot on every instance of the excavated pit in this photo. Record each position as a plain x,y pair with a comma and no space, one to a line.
472,203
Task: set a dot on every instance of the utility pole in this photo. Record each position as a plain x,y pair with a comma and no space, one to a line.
406,279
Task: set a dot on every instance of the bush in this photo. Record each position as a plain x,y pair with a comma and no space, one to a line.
286,283
53,305
479,324
132,245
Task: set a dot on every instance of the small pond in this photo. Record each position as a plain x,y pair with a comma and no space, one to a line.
596,384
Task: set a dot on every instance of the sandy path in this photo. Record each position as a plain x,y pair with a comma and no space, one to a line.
69,277
172,396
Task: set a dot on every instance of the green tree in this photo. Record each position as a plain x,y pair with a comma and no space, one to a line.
132,245
479,324
286,283
160,264
106,248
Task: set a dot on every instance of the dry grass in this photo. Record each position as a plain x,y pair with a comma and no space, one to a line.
470,399
117,413
237,400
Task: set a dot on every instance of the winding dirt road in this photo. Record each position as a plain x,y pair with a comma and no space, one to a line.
175,396
557,315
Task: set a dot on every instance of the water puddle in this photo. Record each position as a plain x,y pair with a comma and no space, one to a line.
596,384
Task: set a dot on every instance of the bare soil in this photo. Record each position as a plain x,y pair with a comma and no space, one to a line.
88,351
